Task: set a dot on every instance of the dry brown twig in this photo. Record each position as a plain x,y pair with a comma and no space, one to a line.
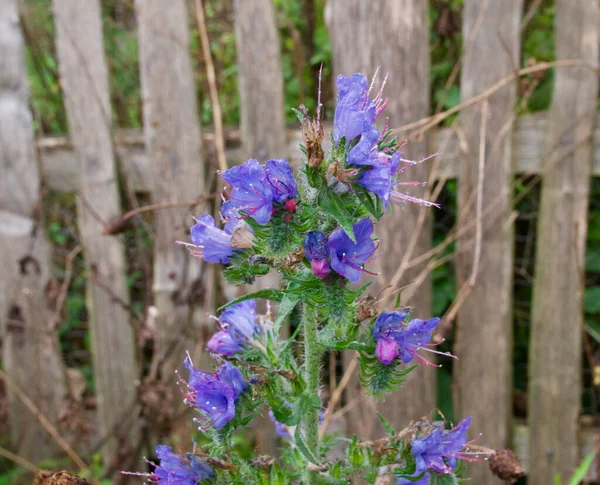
43,420
19,460
336,395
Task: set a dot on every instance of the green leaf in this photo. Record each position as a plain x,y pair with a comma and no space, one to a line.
267,294
443,479
389,429
591,301
301,444
304,405
332,205
288,303
582,469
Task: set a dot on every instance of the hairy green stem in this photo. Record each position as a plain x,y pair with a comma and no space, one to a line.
312,365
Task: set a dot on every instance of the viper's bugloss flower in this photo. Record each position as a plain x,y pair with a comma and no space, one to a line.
348,257
179,470
238,326
378,178
354,108
386,350
223,344
316,251
209,242
251,191
440,450
279,175
230,215
315,246
215,395
410,337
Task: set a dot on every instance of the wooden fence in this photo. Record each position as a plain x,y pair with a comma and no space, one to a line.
488,149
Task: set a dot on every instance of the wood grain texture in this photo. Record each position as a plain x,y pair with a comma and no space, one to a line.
260,80
30,351
483,385
84,80
555,382
58,161
362,41
182,284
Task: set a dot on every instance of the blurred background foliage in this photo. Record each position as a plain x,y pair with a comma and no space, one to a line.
304,47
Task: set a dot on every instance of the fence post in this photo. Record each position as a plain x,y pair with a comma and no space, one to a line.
484,258
260,80
182,285
84,80
394,35
30,351
555,383
262,120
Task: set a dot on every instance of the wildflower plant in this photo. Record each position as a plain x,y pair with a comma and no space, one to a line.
315,227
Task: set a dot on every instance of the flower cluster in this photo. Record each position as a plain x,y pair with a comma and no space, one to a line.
316,229
371,157
214,395
177,470
238,328
439,451
340,253
396,337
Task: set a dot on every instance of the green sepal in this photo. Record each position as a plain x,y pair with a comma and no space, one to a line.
389,429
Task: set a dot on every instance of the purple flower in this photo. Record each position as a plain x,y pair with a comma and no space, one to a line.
240,321
215,395
320,268
178,470
361,153
379,177
348,257
316,251
354,108
238,324
230,216
223,344
409,337
210,242
251,191
315,246
387,350
279,175
440,450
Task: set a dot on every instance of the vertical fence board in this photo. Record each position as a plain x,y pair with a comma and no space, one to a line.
400,46
84,80
485,254
262,119
260,79
182,284
30,352
555,383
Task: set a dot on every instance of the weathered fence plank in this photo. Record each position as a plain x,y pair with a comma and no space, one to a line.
182,284
58,161
555,383
30,352
260,80
400,41
84,81
483,385
262,120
